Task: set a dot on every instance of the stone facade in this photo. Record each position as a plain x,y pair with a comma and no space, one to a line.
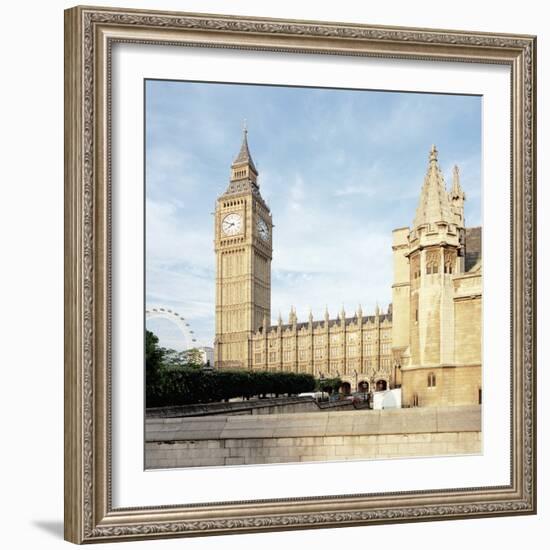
358,349
429,340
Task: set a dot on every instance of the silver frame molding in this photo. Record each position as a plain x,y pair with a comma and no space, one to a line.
89,36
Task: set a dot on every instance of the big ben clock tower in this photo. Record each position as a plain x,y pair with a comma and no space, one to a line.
243,246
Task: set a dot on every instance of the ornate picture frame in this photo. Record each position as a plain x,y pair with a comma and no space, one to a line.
90,34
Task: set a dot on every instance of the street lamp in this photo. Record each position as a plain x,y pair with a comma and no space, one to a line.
321,380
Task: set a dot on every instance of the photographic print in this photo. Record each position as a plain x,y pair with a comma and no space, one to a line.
273,274
313,277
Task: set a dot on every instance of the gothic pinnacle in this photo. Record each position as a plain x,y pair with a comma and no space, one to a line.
434,204
456,189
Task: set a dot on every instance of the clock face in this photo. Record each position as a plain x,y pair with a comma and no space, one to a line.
263,230
232,224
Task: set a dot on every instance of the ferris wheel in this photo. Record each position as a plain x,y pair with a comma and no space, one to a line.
177,319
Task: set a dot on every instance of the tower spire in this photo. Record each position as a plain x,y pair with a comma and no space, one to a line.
244,157
244,174
434,205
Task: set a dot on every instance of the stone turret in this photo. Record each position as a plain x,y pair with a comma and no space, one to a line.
434,258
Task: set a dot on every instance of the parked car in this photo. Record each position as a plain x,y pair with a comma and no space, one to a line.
317,395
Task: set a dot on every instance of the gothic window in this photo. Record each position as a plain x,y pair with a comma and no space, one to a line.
431,380
319,353
286,355
415,400
352,350
432,263
257,358
272,356
448,262
287,343
303,355
415,267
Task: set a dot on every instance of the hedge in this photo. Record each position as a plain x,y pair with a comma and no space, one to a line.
188,386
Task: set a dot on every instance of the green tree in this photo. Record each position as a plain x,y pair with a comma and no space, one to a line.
153,365
194,357
328,385
174,360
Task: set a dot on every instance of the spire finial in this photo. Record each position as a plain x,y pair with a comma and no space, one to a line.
433,154
245,127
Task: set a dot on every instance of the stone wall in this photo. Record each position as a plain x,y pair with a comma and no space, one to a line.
453,385
276,405
303,437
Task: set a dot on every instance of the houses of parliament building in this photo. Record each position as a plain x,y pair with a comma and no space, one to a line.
428,341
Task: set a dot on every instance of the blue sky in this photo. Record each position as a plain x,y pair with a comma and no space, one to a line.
340,169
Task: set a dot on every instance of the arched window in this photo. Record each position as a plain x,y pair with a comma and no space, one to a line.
449,260
415,400
431,380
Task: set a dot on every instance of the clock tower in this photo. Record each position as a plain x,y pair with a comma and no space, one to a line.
243,247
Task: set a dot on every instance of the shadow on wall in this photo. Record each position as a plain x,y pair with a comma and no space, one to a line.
52,527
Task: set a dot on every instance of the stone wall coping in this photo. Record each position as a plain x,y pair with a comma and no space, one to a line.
330,423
